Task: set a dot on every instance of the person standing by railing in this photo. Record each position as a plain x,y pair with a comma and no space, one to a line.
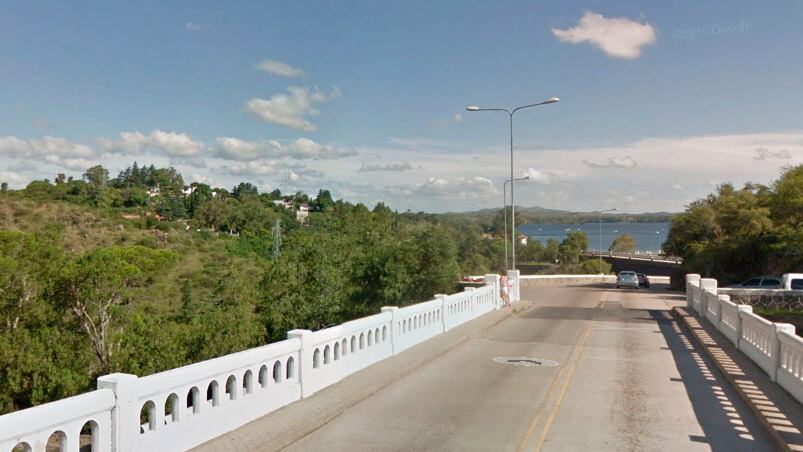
504,289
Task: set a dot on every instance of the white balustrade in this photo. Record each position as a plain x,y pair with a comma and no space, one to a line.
790,369
757,338
416,323
730,323
181,408
60,424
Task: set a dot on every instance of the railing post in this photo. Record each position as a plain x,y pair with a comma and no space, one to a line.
125,414
741,308
706,284
471,299
493,279
720,299
442,298
775,357
692,281
513,278
394,329
304,359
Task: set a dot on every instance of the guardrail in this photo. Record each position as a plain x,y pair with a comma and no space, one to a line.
774,347
182,408
766,298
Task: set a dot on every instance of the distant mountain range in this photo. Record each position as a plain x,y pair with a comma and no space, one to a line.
537,214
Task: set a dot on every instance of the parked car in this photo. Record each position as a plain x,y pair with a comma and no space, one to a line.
792,281
759,282
627,279
643,280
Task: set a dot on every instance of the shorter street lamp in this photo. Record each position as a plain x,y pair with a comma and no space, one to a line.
599,243
504,208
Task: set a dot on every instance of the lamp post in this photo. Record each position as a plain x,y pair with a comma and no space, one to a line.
510,114
504,208
599,243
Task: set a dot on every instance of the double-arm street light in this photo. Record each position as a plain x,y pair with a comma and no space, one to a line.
599,243
504,208
510,114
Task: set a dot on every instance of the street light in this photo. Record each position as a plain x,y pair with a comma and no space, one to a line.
504,208
599,243
510,114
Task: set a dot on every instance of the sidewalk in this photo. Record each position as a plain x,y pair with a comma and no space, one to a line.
277,430
777,411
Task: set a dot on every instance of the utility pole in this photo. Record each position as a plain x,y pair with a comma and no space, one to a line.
277,239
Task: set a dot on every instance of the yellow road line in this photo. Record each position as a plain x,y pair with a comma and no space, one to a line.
574,358
554,412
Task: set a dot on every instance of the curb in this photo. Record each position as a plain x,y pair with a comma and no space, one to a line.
282,438
776,436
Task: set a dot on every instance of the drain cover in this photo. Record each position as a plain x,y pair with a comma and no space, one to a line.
524,361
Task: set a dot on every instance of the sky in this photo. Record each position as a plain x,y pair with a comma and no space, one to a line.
659,102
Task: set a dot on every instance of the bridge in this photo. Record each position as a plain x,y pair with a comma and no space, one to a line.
575,364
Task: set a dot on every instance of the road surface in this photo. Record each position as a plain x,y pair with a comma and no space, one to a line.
627,378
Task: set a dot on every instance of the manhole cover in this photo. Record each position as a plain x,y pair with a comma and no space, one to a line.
524,361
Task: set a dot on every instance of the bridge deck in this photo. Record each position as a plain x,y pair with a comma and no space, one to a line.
628,379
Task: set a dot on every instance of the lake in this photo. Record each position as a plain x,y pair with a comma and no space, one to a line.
648,236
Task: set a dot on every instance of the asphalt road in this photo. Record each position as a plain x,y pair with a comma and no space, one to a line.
627,378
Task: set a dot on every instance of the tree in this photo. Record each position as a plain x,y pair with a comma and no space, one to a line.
4,187
97,176
244,190
575,244
625,243
95,287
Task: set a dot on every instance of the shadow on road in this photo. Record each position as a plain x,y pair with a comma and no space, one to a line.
719,410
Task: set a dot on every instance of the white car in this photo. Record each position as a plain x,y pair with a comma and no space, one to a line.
627,279
792,281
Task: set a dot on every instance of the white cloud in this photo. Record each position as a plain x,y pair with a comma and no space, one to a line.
290,110
192,26
47,145
458,118
278,68
765,154
171,143
618,37
677,187
625,162
302,148
540,177
393,167
457,188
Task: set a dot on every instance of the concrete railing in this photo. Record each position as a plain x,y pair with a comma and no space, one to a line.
772,346
181,408
790,370
765,298
61,422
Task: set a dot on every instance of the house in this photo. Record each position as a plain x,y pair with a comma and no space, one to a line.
153,192
523,239
302,213
283,203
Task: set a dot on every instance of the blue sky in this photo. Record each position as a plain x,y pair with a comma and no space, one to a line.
659,102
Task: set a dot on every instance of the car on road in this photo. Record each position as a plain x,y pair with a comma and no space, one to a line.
643,280
627,279
792,281
759,282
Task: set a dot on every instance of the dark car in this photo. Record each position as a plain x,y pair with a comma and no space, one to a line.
643,280
759,282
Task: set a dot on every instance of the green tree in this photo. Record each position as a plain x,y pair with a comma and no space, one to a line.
96,286
625,243
575,244
97,176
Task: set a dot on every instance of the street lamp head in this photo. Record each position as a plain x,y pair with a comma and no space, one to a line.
473,108
551,100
